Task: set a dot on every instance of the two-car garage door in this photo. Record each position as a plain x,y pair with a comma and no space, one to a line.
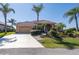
24,29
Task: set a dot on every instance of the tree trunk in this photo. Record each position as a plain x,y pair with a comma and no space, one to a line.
76,23
37,17
12,25
5,17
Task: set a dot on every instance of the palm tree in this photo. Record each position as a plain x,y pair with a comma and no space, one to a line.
5,10
60,26
73,15
13,22
37,9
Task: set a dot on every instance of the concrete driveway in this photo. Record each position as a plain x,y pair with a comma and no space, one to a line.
20,41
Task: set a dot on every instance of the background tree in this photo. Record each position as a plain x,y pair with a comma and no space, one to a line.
5,10
13,22
73,15
37,9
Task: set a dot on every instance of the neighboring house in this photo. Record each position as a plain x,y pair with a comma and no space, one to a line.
26,27
2,26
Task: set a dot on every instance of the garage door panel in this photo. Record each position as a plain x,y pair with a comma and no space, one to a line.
24,29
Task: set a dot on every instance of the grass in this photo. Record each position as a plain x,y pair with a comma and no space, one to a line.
67,42
76,32
8,33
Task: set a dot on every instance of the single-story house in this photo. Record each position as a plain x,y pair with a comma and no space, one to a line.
26,27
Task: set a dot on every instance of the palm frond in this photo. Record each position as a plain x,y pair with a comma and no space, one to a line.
34,7
71,19
69,13
2,4
10,9
6,5
12,21
72,12
37,8
1,9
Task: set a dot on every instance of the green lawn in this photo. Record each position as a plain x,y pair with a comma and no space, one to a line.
55,43
8,33
76,32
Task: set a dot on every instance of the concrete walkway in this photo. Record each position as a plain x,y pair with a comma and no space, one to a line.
21,41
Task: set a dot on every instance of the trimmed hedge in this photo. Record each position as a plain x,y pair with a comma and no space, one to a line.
36,32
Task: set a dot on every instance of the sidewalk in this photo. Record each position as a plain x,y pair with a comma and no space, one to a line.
39,51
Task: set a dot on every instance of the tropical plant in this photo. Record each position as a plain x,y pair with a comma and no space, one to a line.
5,10
39,27
60,26
13,22
73,15
47,28
37,9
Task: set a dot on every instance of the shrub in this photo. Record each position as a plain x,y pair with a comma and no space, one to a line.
70,32
53,33
8,29
11,30
76,34
2,30
36,32
62,34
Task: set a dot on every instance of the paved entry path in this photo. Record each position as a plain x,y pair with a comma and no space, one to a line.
20,41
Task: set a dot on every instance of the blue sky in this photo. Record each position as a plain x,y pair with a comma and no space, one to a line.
51,11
